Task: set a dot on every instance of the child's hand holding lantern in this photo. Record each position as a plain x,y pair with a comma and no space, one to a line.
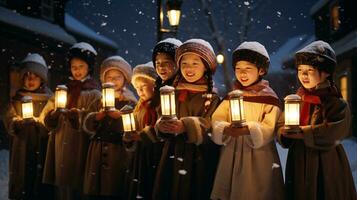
236,131
173,126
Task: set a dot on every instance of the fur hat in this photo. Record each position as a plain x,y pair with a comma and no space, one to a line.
34,63
118,63
83,51
201,48
146,70
168,45
318,54
253,52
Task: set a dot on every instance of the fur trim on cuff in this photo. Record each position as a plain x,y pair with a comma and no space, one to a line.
193,130
89,119
256,134
217,132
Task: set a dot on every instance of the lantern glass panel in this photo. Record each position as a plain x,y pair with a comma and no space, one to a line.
292,113
60,98
27,110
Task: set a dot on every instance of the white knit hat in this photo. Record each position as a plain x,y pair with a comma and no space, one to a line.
117,63
36,64
146,70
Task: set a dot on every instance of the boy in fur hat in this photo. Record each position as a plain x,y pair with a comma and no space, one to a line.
148,151
189,158
108,180
249,167
28,137
68,143
317,166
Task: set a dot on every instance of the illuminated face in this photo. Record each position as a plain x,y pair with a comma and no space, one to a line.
79,69
31,81
165,66
310,77
116,77
247,73
192,67
144,88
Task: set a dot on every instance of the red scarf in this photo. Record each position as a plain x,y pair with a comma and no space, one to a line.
259,92
150,116
184,88
75,87
313,97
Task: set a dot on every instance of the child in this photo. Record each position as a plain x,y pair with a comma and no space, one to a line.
249,167
107,160
163,57
147,151
189,158
317,166
28,137
68,143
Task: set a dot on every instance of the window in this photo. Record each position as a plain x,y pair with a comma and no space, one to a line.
344,87
47,9
335,17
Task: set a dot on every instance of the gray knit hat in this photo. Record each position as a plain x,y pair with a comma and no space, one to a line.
118,63
318,54
36,64
146,70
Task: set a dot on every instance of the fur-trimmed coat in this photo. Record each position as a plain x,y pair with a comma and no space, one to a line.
28,142
317,166
189,160
107,167
249,166
68,143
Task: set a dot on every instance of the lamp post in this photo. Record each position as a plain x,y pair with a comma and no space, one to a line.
27,107
128,120
292,113
61,97
173,9
108,96
237,109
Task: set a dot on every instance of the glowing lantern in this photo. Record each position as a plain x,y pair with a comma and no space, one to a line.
168,104
61,97
292,113
237,108
173,12
108,96
27,107
128,121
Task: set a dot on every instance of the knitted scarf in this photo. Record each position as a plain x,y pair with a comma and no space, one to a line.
184,88
150,116
75,87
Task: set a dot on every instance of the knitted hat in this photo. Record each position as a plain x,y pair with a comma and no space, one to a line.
83,51
117,63
199,47
146,70
168,45
36,64
253,52
318,54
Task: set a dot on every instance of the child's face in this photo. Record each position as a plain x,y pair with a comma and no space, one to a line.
79,68
31,81
165,66
247,73
116,77
192,67
309,77
144,88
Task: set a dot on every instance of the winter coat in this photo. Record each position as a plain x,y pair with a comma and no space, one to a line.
28,142
68,143
188,161
147,154
249,166
317,166
108,163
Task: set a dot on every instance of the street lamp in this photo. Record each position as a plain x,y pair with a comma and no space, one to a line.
173,8
27,107
237,109
108,96
292,113
61,97
220,58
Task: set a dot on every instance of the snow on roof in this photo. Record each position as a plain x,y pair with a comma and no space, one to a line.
317,6
75,26
345,44
35,25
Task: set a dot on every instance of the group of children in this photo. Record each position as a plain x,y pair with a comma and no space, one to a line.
80,152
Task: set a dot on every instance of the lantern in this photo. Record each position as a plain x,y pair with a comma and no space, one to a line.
128,122
61,97
237,108
220,58
168,104
27,107
292,113
173,12
108,96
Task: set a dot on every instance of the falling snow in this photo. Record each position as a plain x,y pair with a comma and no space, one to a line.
182,172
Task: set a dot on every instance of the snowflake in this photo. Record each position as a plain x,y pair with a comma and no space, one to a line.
246,3
103,24
275,165
182,172
180,159
268,27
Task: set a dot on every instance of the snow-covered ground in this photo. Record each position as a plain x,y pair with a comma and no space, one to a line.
350,146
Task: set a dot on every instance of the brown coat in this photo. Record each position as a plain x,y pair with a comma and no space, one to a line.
317,166
249,166
68,146
188,161
28,143
107,165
